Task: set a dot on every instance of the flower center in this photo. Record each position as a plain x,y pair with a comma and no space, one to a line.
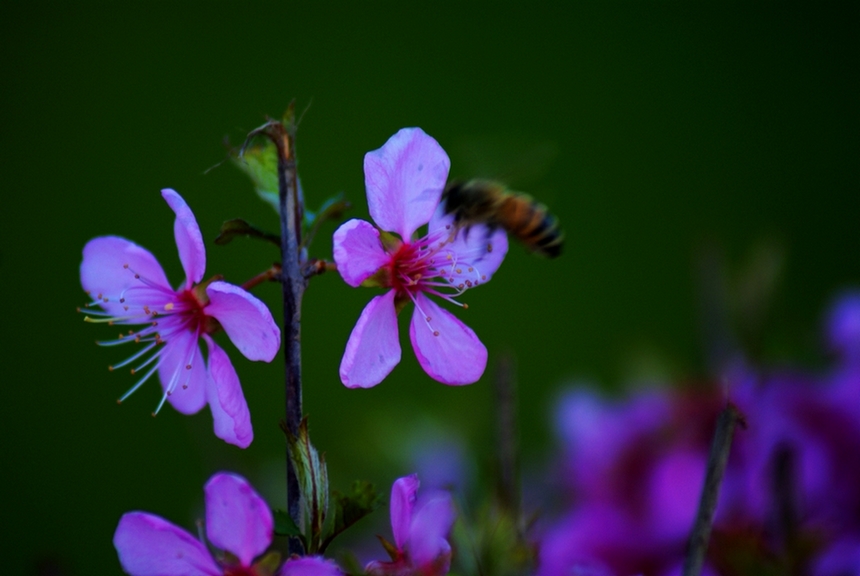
164,314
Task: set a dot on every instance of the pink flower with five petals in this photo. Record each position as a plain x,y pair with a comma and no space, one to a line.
405,180
421,526
129,285
238,521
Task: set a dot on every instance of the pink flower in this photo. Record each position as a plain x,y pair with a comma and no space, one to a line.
405,179
127,282
238,521
420,527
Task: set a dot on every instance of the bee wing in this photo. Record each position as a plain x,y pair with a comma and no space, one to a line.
475,252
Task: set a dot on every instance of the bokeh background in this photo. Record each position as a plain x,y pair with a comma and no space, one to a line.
663,136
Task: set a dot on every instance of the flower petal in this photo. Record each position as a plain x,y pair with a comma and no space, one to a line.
310,566
187,386
104,271
373,349
151,546
455,356
358,251
428,545
474,247
404,181
246,320
189,240
238,520
403,493
230,414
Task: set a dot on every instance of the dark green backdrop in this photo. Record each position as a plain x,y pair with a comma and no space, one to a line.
672,127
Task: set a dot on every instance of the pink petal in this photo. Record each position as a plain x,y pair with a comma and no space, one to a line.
151,546
103,270
310,566
238,520
474,247
404,181
455,356
358,251
188,394
246,320
428,545
373,349
230,414
403,493
189,240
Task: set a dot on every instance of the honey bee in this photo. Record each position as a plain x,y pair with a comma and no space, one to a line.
492,204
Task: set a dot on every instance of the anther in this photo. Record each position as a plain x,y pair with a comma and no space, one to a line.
154,324
459,270
104,300
461,285
121,300
188,366
99,297
483,277
168,306
435,333
118,401
110,368
137,277
185,386
489,247
465,306
428,318
133,371
125,308
471,269
125,266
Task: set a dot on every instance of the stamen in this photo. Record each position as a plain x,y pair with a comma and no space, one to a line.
134,388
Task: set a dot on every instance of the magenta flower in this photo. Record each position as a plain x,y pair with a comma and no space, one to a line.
238,521
405,179
127,282
420,527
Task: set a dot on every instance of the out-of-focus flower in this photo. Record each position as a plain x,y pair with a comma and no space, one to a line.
405,179
129,285
420,526
238,521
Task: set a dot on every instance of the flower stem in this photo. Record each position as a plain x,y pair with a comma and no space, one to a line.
717,460
294,284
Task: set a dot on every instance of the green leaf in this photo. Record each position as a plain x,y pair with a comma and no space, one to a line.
312,475
352,507
284,525
260,163
238,227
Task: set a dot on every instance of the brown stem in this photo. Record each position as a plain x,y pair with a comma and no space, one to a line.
294,284
717,460
273,273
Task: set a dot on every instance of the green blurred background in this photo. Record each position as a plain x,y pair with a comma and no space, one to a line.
651,130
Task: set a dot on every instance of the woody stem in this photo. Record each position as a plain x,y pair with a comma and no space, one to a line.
294,284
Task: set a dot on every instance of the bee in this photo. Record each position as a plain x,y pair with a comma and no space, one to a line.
494,205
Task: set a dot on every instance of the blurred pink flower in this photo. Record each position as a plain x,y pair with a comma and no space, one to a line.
420,527
128,283
238,521
405,179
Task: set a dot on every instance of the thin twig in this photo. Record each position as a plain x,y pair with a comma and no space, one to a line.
294,284
717,460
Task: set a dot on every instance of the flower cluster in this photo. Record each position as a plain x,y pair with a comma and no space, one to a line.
405,180
238,521
789,502
130,287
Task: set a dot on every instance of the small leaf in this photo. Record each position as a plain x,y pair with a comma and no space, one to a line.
238,227
267,565
312,475
284,525
352,507
260,163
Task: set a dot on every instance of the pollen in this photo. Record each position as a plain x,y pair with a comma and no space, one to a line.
168,306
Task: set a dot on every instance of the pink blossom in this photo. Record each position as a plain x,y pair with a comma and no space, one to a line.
405,179
420,527
129,285
238,521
